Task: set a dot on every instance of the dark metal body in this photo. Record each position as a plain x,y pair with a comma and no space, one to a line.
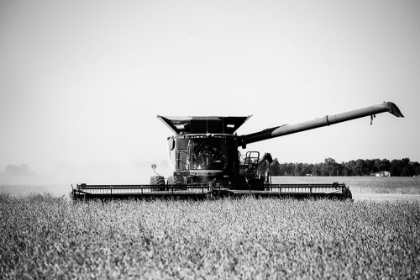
204,152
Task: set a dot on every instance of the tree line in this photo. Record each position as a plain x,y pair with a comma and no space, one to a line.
360,167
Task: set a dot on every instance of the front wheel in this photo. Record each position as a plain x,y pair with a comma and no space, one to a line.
158,180
179,180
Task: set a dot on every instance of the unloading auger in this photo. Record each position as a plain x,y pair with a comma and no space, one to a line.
204,153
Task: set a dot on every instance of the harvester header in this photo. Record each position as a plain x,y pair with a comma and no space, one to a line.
204,152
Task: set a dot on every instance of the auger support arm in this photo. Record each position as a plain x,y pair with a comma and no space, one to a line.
320,122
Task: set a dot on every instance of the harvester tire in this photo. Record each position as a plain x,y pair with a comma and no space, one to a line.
348,194
179,180
171,180
158,180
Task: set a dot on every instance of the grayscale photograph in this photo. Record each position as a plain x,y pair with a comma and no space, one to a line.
209,139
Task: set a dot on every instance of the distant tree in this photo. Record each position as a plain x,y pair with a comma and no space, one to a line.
360,167
281,167
416,167
324,169
408,171
369,167
308,168
407,167
377,165
316,170
297,170
395,167
290,169
350,166
284,169
344,170
383,165
330,166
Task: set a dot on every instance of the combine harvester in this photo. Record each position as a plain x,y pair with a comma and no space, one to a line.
204,153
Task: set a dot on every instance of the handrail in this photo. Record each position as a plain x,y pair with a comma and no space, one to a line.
178,159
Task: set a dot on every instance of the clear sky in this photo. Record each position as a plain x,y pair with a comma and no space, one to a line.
81,82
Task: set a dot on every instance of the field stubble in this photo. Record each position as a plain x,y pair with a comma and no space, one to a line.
51,237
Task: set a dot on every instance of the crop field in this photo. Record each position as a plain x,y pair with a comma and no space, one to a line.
44,236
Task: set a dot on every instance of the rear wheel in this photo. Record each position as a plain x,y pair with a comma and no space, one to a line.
348,194
179,180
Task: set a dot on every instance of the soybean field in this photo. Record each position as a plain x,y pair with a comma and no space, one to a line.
52,237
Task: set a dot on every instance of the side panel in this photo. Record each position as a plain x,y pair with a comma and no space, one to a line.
181,154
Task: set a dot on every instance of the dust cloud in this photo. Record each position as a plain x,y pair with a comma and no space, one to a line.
20,180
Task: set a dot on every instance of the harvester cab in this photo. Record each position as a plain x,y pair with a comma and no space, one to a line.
204,152
205,149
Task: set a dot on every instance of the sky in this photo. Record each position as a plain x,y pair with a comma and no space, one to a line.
81,82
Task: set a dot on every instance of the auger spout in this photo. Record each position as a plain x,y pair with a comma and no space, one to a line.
320,122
